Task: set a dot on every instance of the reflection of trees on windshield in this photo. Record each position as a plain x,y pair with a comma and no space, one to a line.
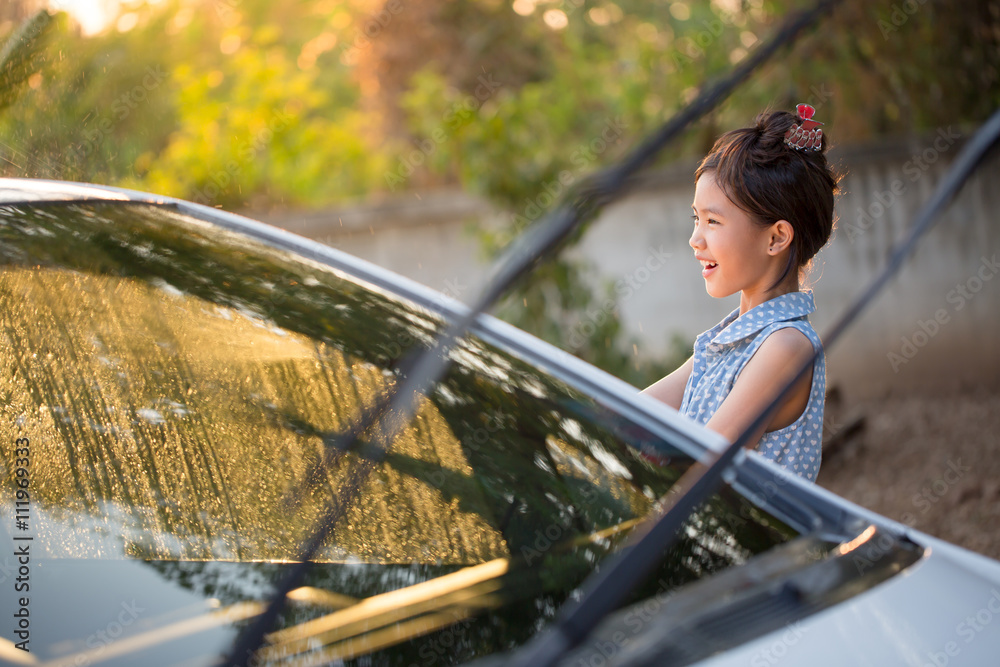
180,382
171,414
170,410
160,392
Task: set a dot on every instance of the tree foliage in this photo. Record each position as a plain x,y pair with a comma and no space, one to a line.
254,104
18,56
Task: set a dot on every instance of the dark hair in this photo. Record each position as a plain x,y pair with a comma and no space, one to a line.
772,181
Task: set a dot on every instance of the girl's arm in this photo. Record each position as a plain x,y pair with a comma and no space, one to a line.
670,389
772,366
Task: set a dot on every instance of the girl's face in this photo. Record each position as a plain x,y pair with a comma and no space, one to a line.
732,248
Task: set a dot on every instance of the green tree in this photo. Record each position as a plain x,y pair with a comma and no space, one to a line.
234,104
871,70
18,56
255,104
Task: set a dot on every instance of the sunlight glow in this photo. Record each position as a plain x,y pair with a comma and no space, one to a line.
524,7
95,16
555,19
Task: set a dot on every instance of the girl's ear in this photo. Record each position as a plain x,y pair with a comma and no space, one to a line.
781,235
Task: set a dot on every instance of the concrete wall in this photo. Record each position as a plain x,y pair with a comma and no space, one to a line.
935,327
429,237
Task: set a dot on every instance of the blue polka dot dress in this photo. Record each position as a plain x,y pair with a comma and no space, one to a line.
720,355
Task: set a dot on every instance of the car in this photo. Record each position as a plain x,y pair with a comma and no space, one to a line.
176,379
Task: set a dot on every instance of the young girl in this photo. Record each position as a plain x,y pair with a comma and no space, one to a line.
763,207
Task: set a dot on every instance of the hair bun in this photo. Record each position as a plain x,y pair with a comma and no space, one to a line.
766,173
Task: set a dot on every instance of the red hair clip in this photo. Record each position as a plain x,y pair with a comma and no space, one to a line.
806,136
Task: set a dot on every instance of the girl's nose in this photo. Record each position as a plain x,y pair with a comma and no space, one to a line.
696,241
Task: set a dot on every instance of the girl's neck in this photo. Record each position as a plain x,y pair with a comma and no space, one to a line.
751,299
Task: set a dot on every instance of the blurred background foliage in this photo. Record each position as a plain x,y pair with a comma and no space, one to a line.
254,105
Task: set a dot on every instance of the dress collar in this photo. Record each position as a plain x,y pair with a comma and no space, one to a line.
790,306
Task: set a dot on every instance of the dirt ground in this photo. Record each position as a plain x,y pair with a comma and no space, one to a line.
930,462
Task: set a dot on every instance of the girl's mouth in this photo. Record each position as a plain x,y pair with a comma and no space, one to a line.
708,268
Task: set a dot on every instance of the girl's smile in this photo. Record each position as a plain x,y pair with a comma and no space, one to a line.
737,254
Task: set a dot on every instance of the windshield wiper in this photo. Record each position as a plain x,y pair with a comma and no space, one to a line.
772,591
621,573
394,409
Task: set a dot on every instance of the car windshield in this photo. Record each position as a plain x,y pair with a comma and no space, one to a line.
177,386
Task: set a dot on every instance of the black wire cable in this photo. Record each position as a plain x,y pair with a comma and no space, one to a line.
607,589
395,408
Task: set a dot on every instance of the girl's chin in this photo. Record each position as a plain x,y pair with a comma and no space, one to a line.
717,291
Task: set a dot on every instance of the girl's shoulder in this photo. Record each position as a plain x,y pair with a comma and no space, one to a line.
791,333
789,339
780,344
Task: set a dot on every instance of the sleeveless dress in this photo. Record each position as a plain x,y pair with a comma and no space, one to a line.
720,355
